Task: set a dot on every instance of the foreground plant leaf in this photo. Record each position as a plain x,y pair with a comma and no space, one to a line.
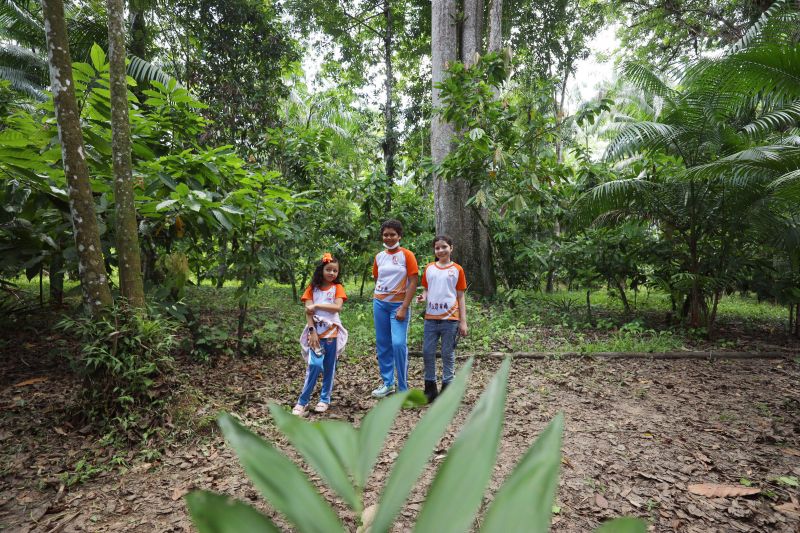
372,435
330,447
212,513
281,482
524,501
418,449
712,490
459,485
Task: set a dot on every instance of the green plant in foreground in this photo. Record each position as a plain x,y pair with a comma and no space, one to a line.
344,456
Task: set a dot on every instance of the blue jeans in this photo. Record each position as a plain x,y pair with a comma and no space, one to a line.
328,370
447,330
391,340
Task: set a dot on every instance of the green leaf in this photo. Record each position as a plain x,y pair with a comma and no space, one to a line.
164,204
98,57
790,481
330,447
457,490
281,482
623,525
213,513
526,497
372,434
415,398
182,189
417,450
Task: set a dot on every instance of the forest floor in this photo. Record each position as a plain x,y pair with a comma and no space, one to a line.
637,432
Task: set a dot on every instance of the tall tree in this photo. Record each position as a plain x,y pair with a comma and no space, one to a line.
466,224
91,267
359,28
130,264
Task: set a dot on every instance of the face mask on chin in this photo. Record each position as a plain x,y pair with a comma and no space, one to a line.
396,245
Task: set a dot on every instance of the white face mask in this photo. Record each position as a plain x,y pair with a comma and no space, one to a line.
397,244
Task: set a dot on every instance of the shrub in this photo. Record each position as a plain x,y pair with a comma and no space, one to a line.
344,456
120,358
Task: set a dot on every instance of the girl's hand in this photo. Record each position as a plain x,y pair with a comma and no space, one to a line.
313,340
310,309
421,298
462,329
401,314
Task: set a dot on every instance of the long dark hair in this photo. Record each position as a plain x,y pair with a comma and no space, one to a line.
317,279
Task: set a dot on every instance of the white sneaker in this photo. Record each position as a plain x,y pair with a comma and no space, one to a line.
383,391
321,407
299,410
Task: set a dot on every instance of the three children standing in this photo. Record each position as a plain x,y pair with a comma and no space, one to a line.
396,272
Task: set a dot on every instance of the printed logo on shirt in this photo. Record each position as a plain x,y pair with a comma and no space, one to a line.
396,259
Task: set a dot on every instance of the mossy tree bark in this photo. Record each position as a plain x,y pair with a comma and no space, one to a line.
130,263
91,267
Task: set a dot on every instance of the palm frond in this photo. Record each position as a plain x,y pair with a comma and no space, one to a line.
20,81
775,121
787,186
641,136
616,195
144,72
20,58
755,32
15,21
643,77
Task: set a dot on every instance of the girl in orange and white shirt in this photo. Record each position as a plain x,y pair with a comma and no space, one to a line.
395,271
324,334
444,284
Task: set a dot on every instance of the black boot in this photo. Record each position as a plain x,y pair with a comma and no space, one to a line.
430,390
444,386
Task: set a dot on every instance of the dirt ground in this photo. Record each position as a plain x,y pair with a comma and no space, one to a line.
637,432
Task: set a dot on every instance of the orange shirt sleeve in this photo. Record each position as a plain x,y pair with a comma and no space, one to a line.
425,277
340,292
375,268
411,263
461,284
307,295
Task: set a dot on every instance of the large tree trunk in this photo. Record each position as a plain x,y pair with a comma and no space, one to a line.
467,226
130,263
495,42
94,282
390,137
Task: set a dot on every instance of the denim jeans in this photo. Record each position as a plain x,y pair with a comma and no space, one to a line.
447,330
391,340
328,370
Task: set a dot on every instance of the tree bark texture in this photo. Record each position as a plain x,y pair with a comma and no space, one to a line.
94,281
495,42
127,233
390,137
472,31
466,225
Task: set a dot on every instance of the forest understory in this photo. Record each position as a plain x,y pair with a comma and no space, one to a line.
637,433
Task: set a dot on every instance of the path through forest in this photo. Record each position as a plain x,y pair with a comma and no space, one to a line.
636,434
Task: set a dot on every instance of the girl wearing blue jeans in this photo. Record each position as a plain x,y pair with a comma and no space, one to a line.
444,284
323,300
395,271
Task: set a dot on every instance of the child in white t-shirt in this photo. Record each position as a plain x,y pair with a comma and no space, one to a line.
324,333
445,313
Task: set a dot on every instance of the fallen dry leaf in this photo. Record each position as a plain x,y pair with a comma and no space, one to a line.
179,492
791,451
31,381
600,500
712,490
788,508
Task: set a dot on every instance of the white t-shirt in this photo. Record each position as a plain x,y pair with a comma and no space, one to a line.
328,296
443,284
392,270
